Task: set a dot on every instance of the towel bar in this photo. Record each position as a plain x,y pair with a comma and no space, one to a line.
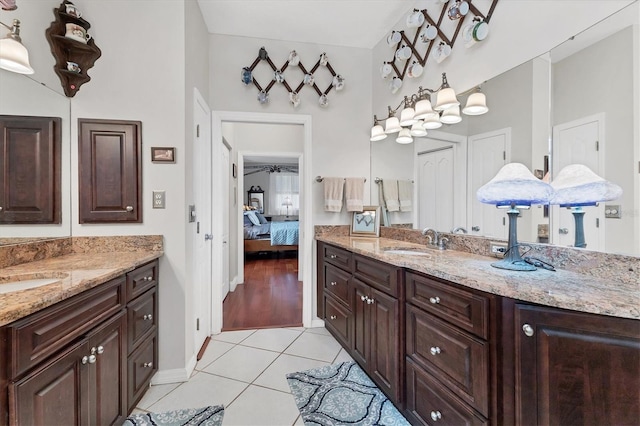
320,179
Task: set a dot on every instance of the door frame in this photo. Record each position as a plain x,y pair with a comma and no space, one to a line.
305,244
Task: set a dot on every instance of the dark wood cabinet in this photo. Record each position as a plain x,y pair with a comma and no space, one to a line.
30,155
575,368
110,171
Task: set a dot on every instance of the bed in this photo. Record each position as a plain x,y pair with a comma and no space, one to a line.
262,235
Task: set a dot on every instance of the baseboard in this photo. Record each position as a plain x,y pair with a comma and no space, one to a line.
177,375
233,284
316,323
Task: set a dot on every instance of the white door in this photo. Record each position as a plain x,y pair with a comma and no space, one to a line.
226,192
488,152
579,142
202,271
436,189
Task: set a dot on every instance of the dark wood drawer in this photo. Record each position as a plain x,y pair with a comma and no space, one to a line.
456,358
465,309
38,336
141,279
337,256
336,282
380,275
338,320
430,403
141,366
141,318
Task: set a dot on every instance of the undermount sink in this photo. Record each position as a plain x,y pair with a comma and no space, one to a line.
28,281
406,252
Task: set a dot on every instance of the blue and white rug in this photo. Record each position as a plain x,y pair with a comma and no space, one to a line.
207,416
341,394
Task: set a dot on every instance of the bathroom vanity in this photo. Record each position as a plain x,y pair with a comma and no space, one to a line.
451,340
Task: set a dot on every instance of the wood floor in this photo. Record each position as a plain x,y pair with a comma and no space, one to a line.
271,295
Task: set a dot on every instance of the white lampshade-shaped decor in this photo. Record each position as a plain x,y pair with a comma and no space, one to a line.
377,133
404,136
418,130
392,125
423,110
451,115
514,187
407,117
446,98
432,122
577,186
476,104
14,56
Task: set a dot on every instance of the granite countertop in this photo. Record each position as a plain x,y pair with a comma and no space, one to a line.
561,289
74,273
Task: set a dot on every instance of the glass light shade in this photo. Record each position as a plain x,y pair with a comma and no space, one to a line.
14,56
377,133
418,130
423,110
451,115
432,122
476,104
407,117
404,136
392,125
577,185
445,99
514,185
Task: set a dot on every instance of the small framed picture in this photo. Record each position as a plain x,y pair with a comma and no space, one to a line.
367,222
161,154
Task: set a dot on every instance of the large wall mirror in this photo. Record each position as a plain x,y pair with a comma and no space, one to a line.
540,114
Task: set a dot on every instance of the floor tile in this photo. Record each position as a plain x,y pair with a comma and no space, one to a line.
215,350
233,336
274,376
201,390
137,411
315,346
155,393
260,406
272,339
242,363
318,330
299,421
343,356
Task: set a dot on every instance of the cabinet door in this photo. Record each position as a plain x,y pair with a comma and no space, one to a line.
30,152
361,337
109,159
385,332
576,368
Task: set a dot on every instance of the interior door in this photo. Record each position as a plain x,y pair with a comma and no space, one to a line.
579,142
202,259
225,170
436,189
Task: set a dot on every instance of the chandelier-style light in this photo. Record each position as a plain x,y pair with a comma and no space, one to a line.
419,115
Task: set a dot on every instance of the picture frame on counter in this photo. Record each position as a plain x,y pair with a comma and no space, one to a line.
366,223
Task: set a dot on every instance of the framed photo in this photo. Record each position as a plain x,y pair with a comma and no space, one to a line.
161,154
367,222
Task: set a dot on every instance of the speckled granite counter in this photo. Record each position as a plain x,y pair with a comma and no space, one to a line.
562,289
93,261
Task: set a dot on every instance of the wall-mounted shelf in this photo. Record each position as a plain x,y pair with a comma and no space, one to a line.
66,49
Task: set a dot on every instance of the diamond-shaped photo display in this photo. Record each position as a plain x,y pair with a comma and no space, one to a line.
308,78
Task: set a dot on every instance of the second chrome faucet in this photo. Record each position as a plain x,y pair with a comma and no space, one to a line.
432,240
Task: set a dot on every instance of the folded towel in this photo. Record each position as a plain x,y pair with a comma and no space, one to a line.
354,194
390,194
405,195
333,188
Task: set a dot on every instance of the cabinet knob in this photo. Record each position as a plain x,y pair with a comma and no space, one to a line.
528,330
435,350
333,317
333,256
149,278
0,209
370,301
334,283
147,317
85,360
100,350
363,298
148,365
92,359
436,415
129,208
434,300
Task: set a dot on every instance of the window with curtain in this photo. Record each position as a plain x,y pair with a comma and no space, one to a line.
284,197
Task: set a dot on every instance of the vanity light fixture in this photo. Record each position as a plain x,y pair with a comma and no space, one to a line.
404,136
417,110
514,187
377,131
577,186
14,56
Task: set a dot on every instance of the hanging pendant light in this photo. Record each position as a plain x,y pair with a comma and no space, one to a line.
476,104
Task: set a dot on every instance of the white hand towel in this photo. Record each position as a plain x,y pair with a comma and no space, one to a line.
354,194
405,195
390,193
333,188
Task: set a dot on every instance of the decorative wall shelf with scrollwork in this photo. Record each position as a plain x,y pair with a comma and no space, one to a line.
279,77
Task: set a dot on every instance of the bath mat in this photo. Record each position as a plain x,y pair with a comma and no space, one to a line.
207,416
341,394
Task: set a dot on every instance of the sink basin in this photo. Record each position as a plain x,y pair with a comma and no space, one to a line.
406,252
25,282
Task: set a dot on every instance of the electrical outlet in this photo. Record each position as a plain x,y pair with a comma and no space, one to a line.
497,249
158,200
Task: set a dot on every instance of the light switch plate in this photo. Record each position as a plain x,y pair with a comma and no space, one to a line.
158,200
612,211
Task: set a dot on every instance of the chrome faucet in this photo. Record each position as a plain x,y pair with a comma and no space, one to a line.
459,228
434,240
442,244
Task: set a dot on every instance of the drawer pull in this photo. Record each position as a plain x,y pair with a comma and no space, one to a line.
436,415
129,208
334,283
370,301
363,298
333,317
84,360
434,300
100,350
528,330
333,256
149,278
435,350
148,317
92,359
148,365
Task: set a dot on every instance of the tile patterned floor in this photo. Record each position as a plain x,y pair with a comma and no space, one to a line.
245,370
